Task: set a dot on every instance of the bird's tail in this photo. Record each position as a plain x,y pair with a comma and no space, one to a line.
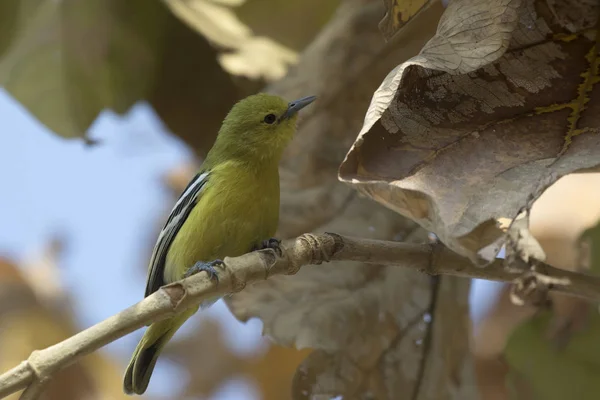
139,370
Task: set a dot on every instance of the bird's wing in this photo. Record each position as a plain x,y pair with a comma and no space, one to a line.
179,214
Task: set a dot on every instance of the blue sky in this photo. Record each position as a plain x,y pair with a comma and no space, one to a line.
107,199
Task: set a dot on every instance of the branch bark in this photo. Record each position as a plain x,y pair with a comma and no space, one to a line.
237,272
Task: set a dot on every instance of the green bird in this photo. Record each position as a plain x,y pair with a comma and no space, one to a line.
229,208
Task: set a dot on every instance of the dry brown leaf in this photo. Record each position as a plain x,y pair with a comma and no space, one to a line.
339,67
366,323
521,242
378,339
461,134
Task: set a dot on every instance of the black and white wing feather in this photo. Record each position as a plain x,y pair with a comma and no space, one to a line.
181,210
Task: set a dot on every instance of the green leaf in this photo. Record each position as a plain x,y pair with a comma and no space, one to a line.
551,373
68,60
71,59
8,25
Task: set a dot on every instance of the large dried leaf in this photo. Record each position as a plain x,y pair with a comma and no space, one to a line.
542,370
461,134
250,56
413,358
379,330
367,324
68,60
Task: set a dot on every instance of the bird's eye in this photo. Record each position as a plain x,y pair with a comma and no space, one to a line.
269,119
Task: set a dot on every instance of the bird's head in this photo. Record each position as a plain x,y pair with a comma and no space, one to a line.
259,127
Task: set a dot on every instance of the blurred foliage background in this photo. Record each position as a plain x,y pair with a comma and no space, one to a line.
69,61
178,66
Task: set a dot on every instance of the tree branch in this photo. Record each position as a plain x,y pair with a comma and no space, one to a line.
434,259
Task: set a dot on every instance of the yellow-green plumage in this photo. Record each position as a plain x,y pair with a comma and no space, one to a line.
236,208
244,203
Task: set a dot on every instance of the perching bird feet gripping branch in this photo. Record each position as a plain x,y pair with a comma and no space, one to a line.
208,267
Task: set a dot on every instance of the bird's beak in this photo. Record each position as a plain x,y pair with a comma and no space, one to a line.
296,106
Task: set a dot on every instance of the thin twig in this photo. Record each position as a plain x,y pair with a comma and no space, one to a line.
35,389
239,271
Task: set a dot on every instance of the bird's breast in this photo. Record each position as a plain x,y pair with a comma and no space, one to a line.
235,212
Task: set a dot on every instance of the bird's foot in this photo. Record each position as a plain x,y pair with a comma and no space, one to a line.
271,243
207,267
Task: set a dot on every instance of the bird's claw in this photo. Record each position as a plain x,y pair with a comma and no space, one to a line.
271,243
207,267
